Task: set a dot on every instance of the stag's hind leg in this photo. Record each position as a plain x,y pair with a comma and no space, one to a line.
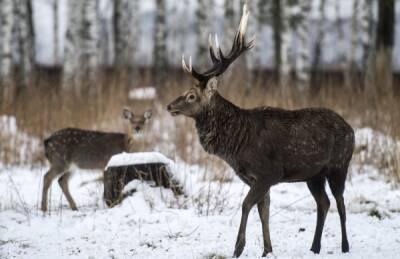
63,182
48,178
317,188
337,184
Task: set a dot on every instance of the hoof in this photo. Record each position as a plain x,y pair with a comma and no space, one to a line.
239,248
316,249
345,247
266,252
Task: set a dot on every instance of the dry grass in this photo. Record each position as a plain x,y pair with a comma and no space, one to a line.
43,109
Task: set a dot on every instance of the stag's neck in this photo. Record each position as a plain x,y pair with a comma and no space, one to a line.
222,127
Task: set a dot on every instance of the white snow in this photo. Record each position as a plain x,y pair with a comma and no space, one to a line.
146,93
124,159
153,223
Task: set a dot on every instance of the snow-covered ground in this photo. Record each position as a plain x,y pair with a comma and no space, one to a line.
152,223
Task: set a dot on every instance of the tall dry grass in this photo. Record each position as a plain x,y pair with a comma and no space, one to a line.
43,108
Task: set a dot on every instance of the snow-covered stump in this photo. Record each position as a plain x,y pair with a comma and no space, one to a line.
151,167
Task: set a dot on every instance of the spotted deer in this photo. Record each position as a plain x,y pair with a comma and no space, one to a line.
86,149
266,145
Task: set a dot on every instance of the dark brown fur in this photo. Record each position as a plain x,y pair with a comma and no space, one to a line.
266,145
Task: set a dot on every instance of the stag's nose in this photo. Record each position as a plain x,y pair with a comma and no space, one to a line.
169,107
137,128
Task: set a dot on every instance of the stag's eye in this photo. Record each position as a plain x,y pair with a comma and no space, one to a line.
191,98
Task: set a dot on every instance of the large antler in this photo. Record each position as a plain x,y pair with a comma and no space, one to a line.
219,60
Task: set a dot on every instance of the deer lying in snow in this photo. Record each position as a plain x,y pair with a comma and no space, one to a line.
266,145
86,149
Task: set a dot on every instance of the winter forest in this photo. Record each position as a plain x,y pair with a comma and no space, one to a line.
129,129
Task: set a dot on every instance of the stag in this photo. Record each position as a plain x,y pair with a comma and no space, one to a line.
86,149
266,145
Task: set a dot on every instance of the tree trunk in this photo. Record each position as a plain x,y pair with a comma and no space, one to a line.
55,33
229,24
303,55
160,59
317,52
342,54
25,39
125,34
277,30
6,25
352,69
81,47
90,39
368,36
384,44
72,47
263,19
284,72
203,29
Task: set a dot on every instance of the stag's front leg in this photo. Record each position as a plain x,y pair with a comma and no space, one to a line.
263,210
255,195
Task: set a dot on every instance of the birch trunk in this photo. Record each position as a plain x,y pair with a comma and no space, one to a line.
385,34
81,48
160,59
25,39
368,39
203,29
317,52
6,26
342,55
303,55
229,23
276,14
72,47
55,33
351,69
263,19
125,33
90,38
284,72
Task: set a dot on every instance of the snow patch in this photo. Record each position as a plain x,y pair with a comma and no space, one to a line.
143,93
125,159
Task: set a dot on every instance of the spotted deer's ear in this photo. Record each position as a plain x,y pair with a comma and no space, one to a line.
211,87
127,114
147,114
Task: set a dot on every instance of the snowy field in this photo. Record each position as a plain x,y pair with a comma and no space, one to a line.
152,223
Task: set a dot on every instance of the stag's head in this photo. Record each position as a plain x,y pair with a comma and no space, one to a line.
137,122
194,100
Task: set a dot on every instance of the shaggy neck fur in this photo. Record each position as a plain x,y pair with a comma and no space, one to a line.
222,127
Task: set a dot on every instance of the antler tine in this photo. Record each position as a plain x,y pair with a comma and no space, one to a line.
190,69
220,54
243,21
184,66
252,42
214,58
221,62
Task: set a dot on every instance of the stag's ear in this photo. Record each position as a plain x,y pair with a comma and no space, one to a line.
147,114
127,114
211,87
